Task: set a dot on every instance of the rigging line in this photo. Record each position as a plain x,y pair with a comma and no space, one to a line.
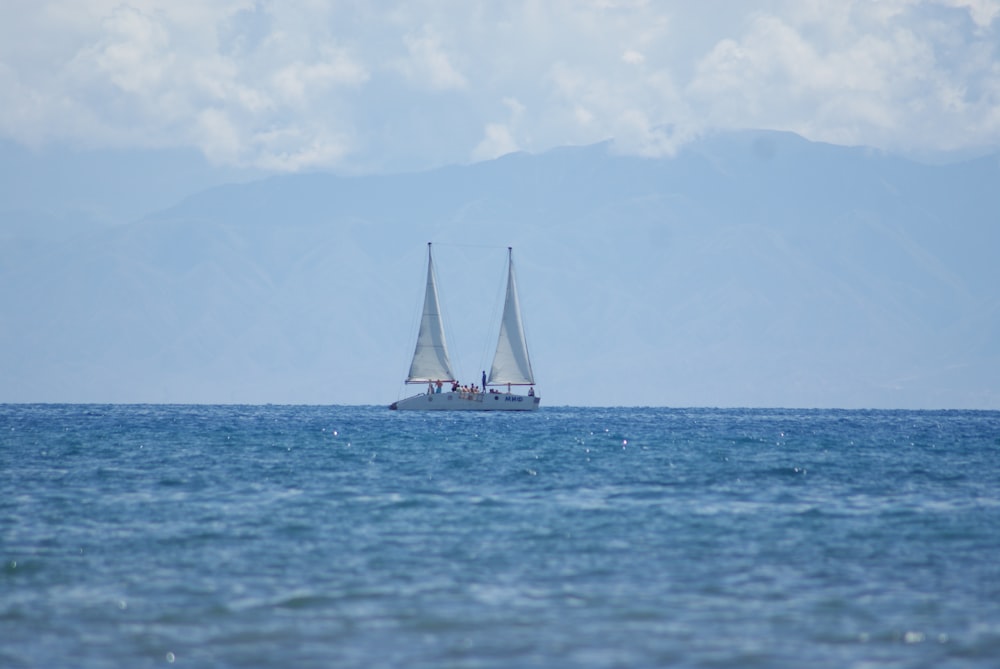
459,361
414,329
446,325
470,246
495,318
524,331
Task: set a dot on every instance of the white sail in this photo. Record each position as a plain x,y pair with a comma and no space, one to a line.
511,365
430,358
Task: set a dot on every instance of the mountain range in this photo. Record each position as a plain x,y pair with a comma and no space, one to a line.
752,269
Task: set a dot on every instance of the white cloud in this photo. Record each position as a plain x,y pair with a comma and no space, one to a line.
299,80
498,141
636,134
214,75
852,84
218,137
583,116
290,150
429,65
514,105
498,138
983,12
134,52
629,106
633,57
284,85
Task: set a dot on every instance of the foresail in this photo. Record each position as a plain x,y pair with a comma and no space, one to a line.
430,358
511,364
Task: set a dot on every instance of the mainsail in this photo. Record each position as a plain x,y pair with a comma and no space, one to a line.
511,365
430,358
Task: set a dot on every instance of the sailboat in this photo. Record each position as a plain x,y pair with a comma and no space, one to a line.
431,364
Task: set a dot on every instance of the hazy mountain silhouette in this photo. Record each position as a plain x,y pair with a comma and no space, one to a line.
752,269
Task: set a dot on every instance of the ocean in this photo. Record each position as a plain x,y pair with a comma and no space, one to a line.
308,536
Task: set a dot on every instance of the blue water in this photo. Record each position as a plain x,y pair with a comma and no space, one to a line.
261,536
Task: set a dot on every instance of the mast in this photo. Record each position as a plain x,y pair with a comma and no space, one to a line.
511,365
430,357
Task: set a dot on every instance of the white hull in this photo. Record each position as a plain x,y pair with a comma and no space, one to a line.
448,401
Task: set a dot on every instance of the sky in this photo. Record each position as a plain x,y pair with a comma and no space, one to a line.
357,86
